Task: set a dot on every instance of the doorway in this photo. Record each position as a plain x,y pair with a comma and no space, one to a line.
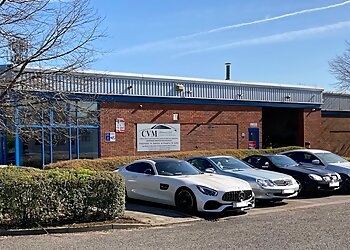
282,127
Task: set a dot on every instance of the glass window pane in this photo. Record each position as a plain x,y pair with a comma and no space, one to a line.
31,148
88,140
87,113
60,144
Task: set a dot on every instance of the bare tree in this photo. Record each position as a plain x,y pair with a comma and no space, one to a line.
56,38
340,67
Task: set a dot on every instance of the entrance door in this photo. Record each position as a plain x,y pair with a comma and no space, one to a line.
253,138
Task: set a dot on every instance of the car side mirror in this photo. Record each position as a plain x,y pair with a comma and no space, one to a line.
316,162
148,171
266,165
210,170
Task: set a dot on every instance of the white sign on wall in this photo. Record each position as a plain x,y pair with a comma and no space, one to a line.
158,137
110,137
120,125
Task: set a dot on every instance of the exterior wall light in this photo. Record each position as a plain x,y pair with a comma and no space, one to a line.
130,87
240,95
287,97
180,87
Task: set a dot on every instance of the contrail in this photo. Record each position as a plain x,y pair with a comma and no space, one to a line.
265,20
291,35
160,44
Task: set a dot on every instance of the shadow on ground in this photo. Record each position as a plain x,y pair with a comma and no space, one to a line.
154,208
171,212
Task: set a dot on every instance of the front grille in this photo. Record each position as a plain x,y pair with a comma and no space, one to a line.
237,195
334,177
283,182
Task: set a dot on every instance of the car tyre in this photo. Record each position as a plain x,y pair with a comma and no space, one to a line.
185,201
301,189
345,186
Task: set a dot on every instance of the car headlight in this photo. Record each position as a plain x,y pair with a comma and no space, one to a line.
327,178
207,191
294,182
315,177
265,183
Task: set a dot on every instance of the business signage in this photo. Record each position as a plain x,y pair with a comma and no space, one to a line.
158,137
120,125
110,137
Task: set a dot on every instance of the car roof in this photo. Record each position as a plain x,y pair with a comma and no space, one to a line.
159,159
262,155
308,150
219,156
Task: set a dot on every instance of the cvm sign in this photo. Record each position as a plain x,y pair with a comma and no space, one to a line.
158,137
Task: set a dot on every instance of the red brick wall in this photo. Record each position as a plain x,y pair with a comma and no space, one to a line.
336,134
202,126
312,128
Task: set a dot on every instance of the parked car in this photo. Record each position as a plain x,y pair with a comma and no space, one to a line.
266,185
323,160
177,183
310,179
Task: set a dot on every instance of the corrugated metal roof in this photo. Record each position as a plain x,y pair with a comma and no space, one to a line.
336,101
125,84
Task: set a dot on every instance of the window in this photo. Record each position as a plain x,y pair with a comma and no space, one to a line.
201,164
308,158
282,161
330,158
296,156
140,167
175,167
230,163
255,161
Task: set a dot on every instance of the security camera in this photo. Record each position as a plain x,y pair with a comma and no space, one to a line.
140,106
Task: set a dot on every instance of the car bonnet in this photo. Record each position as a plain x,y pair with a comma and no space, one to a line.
217,182
258,174
308,170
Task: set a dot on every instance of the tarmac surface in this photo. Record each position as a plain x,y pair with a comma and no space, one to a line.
317,223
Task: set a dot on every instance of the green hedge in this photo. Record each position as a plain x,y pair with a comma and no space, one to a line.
32,198
111,163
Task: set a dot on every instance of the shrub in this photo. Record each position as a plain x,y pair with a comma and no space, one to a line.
31,197
110,163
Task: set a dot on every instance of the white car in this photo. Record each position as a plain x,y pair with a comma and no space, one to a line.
177,183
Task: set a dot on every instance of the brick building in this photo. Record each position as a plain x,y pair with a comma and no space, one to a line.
142,114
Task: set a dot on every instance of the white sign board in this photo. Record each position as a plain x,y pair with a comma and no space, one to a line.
158,137
120,125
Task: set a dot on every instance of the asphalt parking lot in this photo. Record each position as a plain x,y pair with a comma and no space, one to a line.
160,215
316,223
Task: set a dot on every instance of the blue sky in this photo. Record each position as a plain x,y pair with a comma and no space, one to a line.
278,41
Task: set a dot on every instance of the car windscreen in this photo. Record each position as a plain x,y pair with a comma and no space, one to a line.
282,161
170,168
330,158
230,163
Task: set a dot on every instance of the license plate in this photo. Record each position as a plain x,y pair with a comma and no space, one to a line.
240,204
334,184
288,191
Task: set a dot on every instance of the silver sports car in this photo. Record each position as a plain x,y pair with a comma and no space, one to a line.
266,185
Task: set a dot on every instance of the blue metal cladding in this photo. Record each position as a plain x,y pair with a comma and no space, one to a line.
336,102
120,84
